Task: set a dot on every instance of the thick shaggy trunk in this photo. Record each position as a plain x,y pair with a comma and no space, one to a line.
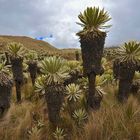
124,89
116,69
135,87
5,95
77,55
18,90
91,99
126,75
73,78
92,45
33,71
17,69
7,58
54,99
92,53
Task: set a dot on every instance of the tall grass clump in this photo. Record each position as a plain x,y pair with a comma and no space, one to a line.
114,123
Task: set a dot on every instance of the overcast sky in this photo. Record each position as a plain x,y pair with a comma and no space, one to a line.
58,17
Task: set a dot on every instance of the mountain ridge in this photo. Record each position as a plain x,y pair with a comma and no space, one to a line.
28,42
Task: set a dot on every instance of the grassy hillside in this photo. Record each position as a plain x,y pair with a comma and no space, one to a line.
28,42
37,45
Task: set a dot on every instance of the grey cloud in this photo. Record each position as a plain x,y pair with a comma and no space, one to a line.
125,17
41,17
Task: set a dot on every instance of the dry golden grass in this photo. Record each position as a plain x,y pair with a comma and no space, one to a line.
20,122
16,122
114,121
118,122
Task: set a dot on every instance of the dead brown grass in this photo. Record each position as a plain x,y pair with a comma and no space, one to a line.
113,121
119,122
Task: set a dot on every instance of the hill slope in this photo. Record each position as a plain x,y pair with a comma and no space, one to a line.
28,42
37,45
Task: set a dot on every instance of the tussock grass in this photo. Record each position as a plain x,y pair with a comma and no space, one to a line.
114,121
